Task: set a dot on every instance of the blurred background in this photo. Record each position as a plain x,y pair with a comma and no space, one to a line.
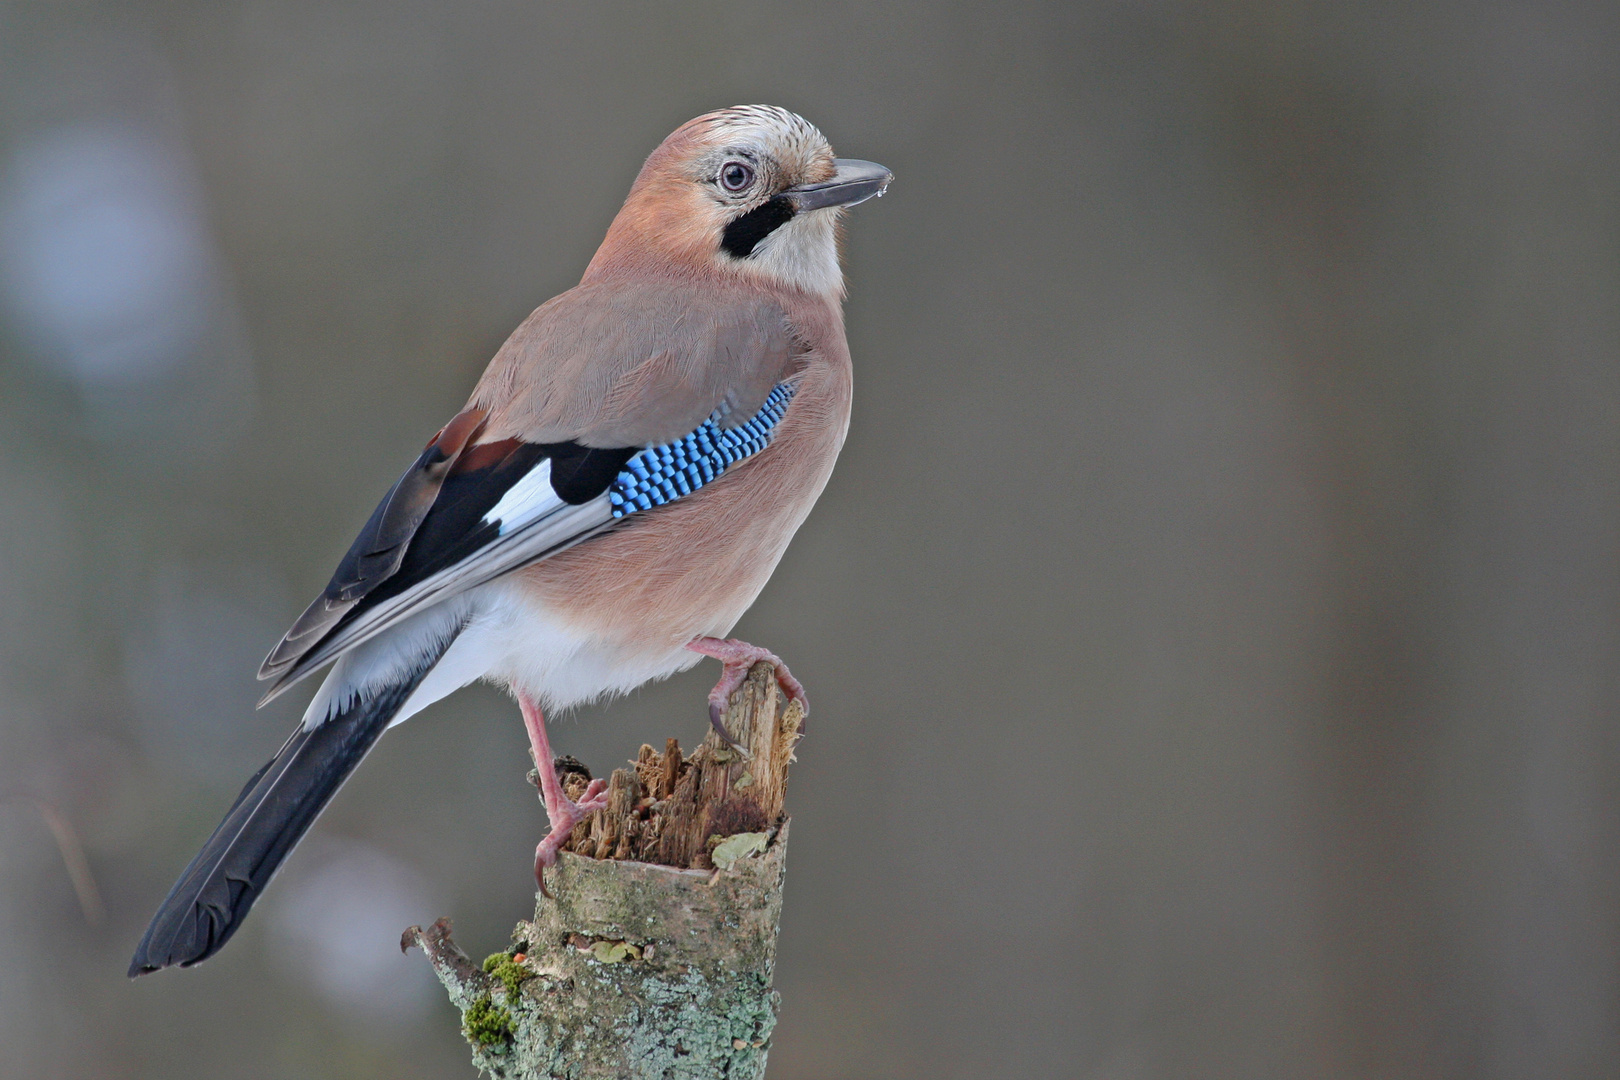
1213,623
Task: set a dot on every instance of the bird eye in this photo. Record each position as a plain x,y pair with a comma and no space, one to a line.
735,176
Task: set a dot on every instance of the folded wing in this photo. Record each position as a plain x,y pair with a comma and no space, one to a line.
461,516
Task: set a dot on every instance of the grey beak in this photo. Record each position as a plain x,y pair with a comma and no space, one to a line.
854,182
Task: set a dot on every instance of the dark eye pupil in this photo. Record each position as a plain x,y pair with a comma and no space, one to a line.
736,177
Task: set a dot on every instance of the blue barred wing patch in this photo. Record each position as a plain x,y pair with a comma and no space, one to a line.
661,474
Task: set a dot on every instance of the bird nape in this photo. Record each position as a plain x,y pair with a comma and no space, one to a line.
624,478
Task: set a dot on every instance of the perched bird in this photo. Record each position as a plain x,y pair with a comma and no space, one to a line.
622,482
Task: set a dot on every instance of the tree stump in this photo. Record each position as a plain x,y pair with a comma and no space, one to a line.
654,956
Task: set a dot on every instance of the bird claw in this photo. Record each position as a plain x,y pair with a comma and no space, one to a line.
595,798
736,658
564,815
717,719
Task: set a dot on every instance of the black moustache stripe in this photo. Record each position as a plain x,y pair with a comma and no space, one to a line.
743,235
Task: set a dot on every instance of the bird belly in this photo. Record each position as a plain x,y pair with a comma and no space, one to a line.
528,646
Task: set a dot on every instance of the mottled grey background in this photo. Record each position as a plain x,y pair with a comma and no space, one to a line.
1213,623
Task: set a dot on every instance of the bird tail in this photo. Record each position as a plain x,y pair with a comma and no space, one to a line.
266,821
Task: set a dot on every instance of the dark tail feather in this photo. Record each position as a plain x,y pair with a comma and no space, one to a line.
275,809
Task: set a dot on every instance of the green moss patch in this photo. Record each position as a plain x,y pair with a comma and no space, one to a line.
510,973
487,1024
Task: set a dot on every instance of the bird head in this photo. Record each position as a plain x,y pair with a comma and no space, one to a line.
751,191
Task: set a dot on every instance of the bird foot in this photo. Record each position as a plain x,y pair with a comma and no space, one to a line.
736,657
563,812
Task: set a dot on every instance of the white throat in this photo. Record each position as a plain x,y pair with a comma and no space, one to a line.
802,253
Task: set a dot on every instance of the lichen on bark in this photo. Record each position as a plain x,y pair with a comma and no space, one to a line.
649,969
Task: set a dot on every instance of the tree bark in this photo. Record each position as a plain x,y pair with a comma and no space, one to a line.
654,956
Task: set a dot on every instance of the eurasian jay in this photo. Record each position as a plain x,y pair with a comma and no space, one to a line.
622,482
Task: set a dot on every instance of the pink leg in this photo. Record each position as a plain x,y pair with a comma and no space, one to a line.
563,812
737,657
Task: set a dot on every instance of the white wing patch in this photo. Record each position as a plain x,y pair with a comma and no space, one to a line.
526,501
